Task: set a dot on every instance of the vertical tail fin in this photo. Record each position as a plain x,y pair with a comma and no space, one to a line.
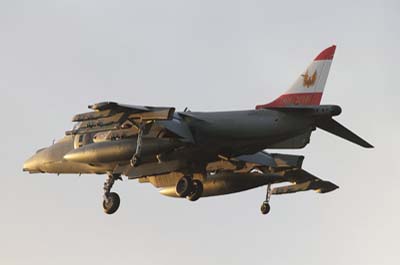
309,86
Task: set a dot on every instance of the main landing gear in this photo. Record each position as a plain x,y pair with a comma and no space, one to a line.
190,188
265,207
111,199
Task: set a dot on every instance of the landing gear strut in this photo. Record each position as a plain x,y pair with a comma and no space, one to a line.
135,160
190,188
265,207
111,199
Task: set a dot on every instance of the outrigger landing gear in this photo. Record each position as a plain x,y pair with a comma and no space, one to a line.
111,199
265,207
190,188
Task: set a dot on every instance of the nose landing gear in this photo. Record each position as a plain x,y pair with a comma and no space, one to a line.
190,188
111,199
265,207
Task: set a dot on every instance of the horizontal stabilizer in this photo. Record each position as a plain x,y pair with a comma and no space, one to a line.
334,127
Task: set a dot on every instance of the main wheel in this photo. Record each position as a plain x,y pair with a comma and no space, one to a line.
197,190
265,208
184,186
111,205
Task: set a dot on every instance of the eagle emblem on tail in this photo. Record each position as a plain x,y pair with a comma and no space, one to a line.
309,80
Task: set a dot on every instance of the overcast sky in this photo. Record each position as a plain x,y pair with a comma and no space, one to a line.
57,57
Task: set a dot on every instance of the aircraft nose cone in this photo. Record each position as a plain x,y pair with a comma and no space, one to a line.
31,165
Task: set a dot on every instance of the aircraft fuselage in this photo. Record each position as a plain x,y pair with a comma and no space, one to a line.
225,133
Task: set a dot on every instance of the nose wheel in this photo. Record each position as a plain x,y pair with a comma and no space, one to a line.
190,188
265,207
111,200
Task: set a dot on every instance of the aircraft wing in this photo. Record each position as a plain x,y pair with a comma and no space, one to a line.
289,170
112,116
272,160
304,181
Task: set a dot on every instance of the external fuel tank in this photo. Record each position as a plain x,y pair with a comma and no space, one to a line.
119,150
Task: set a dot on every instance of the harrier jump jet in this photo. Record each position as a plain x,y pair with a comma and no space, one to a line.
199,154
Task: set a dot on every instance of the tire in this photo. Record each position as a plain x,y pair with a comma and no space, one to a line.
265,208
197,190
112,204
183,186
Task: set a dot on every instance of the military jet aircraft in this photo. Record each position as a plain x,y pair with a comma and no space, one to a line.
198,154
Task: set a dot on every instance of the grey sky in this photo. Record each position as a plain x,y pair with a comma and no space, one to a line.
56,57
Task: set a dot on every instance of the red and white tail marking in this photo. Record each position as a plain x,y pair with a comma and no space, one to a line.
309,86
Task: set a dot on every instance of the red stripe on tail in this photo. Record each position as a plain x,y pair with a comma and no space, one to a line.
294,99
